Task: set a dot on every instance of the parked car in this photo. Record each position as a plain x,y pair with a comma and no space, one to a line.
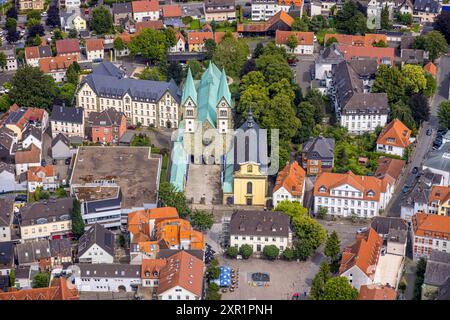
21,197
67,161
43,162
429,131
54,161
415,170
132,127
405,189
295,296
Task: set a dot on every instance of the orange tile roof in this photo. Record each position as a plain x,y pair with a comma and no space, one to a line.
38,174
395,134
351,40
199,37
431,225
151,268
126,37
145,6
30,114
184,270
32,53
439,194
33,155
389,167
352,52
363,253
363,184
173,231
303,38
430,67
377,292
172,11
68,46
218,36
207,27
94,44
264,26
291,178
57,291
180,36
48,65
155,25
138,220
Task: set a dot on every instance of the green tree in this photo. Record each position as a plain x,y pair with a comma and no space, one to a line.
339,288
58,34
77,220
12,278
420,277
246,251
202,220
101,21
431,87
420,108
291,208
73,73
171,37
213,270
3,61
210,49
4,103
171,197
385,20
288,254
292,42
391,81
271,252
310,230
73,33
11,23
232,252
350,20
41,280
37,41
31,87
303,249
318,22
274,67
34,14
322,213
306,116
444,114
33,22
435,44
231,54
149,43
414,78
318,284
401,111
196,69
380,44
213,292
442,24
301,24
175,72
67,93
140,140
61,193
119,45
332,246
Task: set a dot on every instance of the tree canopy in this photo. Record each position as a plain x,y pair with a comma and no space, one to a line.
231,54
171,197
319,281
442,24
350,20
332,246
444,114
339,288
151,44
102,21
77,220
41,280
202,220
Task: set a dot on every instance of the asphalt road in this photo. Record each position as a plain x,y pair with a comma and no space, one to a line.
423,142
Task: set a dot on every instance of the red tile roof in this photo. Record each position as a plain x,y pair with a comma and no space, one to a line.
67,46
357,52
199,37
431,225
94,44
363,253
33,155
48,65
156,25
59,290
362,41
430,67
281,16
172,11
296,3
32,53
151,268
303,38
38,174
377,292
145,6
439,194
395,134
389,167
218,36
291,178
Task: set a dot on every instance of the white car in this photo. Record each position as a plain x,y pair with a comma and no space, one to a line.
44,14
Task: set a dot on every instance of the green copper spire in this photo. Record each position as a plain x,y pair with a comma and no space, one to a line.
224,90
189,89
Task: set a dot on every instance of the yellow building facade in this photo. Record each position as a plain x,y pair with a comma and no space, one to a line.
250,185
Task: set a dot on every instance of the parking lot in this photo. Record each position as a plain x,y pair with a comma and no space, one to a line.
286,278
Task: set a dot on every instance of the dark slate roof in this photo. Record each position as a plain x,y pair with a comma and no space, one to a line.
331,54
407,41
396,235
121,8
439,159
4,283
7,167
60,137
426,5
166,253
319,148
107,85
97,234
444,291
6,138
382,225
23,272
32,131
113,270
65,114
413,56
108,117
6,211
30,252
99,206
250,144
61,248
6,254
438,268
45,51
260,223
45,211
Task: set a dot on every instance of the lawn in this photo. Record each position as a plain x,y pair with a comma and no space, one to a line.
165,162
195,25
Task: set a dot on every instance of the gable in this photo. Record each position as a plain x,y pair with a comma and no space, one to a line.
190,103
223,103
346,187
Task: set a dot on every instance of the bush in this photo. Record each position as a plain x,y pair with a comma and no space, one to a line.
213,292
288,254
271,252
246,251
232,252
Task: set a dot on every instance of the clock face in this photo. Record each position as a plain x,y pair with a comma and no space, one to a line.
223,104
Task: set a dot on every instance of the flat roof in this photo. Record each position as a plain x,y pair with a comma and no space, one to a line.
96,193
134,169
388,268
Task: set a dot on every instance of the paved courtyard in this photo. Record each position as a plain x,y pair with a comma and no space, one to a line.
286,278
203,184
344,228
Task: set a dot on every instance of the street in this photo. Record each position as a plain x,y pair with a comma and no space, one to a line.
423,142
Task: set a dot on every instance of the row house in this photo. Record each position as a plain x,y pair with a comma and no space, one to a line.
68,47
196,40
25,159
8,145
34,54
61,149
95,50
57,66
259,229
318,155
368,40
68,121
51,219
150,103
69,4
11,60
31,135
58,290
219,10
180,45
347,194
122,11
263,10
305,41
6,219
357,108
145,10
43,177
426,10
8,181
324,65
7,257
394,139
23,5
44,254
439,201
429,233
290,184
107,126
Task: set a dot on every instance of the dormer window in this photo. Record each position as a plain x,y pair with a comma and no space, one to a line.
259,227
147,274
322,189
370,193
